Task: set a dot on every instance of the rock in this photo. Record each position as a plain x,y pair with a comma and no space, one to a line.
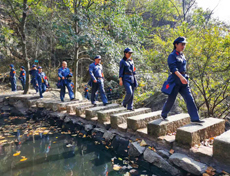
157,160
108,136
188,164
120,145
88,127
133,172
163,153
135,149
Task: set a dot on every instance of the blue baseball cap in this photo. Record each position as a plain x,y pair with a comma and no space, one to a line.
11,65
128,50
34,66
180,40
39,67
22,67
98,57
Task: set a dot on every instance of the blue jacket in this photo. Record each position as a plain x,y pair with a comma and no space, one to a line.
176,62
95,71
33,73
64,72
41,78
12,74
127,71
22,76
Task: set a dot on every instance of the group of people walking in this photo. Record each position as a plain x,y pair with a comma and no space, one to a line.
177,81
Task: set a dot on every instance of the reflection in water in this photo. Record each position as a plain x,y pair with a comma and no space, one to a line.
56,154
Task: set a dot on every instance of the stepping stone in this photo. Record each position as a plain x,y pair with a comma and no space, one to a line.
92,112
41,102
122,127
192,134
120,118
160,127
221,148
49,105
104,116
62,106
31,103
71,108
141,121
81,109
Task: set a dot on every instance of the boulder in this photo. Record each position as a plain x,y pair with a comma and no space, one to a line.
135,149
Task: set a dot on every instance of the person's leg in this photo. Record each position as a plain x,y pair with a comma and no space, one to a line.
70,90
102,92
130,103
191,106
40,90
43,88
170,101
129,92
62,92
93,91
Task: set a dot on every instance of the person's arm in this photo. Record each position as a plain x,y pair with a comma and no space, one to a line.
173,68
91,67
60,73
121,73
36,79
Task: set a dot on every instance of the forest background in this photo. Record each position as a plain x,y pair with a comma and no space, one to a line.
46,32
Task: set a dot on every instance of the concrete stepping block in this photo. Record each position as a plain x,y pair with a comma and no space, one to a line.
221,148
160,127
62,106
71,108
81,109
41,102
104,116
141,121
122,127
192,134
92,112
120,118
49,105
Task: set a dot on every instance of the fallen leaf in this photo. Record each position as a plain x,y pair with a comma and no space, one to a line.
116,167
171,151
143,143
24,159
17,153
69,145
120,159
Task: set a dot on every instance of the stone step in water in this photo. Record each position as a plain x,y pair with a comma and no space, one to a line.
141,121
81,109
122,127
120,118
104,116
160,127
192,134
92,112
62,106
71,108
41,102
221,148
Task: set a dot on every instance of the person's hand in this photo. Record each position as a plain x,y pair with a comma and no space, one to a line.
121,82
59,78
183,80
95,81
37,85
63,77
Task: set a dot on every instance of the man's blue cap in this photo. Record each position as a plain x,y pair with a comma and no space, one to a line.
128,50
39,67
22,67
11,65
98,57
180,40
34,66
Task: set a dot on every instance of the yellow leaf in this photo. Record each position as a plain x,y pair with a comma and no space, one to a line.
17,153
120,159
143,143
116,167
24,159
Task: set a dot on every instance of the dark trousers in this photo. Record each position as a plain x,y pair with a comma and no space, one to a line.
95,87
42,89
33,82
66,83
185,92
87,95
128,100
23,82
13,84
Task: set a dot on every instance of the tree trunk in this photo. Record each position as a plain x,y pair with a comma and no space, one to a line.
76,54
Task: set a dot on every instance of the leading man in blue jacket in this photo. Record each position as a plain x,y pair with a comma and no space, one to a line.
64,75
33,72
22,77
97,80
13,78
41,81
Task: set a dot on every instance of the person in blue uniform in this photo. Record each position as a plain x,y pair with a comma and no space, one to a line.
33,72
22,77
177,65
127,78
97,80
13,78
86,90
64,75
41,81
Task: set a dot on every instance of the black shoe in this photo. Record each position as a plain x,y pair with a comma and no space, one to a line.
62,101
105,104
130,109
73,99
164,118
95,105
198,121
123,105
